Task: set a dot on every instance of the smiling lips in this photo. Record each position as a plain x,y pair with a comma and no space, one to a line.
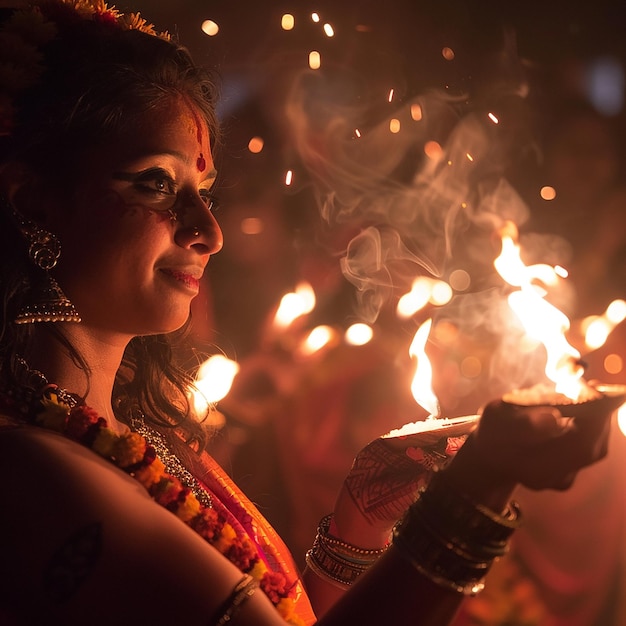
191,281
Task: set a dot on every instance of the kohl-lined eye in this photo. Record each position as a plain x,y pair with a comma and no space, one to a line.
154,183
209,199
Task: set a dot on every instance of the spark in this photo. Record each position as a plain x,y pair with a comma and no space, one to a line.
447,53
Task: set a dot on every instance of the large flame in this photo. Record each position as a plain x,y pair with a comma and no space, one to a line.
421,386
540,319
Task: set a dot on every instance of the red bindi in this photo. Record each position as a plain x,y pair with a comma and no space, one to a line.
201,163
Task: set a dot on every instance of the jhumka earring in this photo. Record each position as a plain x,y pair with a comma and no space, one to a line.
45,301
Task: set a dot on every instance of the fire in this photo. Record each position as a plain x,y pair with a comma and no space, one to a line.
540,319
424,290
295,304
213,382
318,338
421,386
597,328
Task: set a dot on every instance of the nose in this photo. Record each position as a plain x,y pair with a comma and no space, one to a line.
197,228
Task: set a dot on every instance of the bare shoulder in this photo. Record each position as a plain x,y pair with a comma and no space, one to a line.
71,522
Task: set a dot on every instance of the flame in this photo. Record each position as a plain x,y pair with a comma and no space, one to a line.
541,320
319,337
421,386
359,334
597,328
213,382
424,290
295,304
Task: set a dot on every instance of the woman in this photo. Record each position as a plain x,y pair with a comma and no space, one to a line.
112,514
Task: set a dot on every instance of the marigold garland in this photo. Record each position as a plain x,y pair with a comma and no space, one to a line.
131,453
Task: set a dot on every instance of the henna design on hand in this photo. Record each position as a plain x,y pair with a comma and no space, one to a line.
384,481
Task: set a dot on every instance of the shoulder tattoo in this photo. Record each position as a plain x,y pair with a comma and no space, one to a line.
72,563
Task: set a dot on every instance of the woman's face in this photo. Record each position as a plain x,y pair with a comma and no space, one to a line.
138,231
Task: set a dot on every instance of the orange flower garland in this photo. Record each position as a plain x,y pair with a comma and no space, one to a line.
131,453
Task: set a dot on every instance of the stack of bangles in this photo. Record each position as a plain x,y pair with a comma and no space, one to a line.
450,539
336,561
444,535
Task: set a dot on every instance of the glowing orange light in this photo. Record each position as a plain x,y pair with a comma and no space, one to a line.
597,328
493,118
447,53
613,364
287,22
328,29
459,280
295,304
315,17
213,382
319,337
315,60
255,145
210,28
359,334
357,132
394,125
288,178
547,192
469,157
251,226
416,112
433,150
390,96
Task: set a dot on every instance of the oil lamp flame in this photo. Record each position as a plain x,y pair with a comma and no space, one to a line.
213,382
295,304
421,386
540,319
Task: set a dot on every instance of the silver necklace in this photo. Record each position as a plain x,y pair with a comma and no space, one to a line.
172,463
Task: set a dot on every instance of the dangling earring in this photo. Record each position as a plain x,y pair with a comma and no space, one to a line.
45,301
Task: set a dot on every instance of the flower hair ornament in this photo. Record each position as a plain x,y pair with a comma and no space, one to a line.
30,26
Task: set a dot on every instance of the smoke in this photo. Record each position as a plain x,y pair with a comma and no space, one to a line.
423,197
428,199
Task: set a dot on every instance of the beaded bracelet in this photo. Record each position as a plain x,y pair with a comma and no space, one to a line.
337,561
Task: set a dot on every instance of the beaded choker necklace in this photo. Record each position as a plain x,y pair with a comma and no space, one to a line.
144,454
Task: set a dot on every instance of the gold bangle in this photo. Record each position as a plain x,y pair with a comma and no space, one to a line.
243,591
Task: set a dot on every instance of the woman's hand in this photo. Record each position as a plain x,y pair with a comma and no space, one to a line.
536,447
383,482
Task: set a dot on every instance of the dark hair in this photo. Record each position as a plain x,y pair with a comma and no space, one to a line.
97,80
